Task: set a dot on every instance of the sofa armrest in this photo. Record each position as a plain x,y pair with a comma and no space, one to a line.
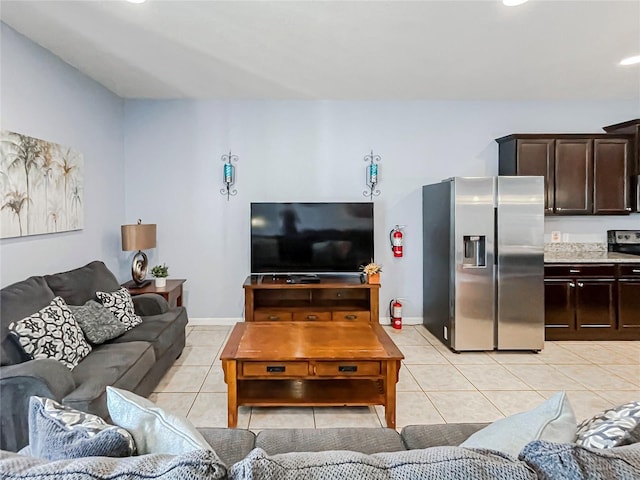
51,373
148,304
43,377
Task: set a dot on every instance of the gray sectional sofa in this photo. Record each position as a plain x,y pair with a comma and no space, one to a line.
419,451
135,361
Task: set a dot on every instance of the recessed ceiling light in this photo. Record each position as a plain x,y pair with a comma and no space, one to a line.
630,60
513,3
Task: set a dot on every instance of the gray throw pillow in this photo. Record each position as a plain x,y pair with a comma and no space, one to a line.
97,322
57,432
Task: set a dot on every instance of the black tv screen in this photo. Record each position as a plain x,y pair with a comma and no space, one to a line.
311,237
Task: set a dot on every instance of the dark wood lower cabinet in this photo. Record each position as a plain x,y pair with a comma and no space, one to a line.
592,302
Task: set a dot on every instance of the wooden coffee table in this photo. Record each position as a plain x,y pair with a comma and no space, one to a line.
310,364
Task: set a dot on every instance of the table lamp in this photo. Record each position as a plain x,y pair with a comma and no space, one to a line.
138,237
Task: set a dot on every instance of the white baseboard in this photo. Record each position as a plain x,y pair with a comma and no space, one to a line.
230,321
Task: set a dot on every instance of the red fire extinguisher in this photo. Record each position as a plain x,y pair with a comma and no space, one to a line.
396,241
395,311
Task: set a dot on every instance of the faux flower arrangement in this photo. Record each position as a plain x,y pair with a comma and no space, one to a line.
372,268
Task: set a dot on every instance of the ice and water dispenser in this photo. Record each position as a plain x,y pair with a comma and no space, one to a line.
475,252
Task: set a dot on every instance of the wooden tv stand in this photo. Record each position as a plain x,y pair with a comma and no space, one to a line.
333,298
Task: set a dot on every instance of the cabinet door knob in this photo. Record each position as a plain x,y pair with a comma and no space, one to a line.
312,317
274,317
574,270
580,284
353,317
558,209
636,270
572,285
628,209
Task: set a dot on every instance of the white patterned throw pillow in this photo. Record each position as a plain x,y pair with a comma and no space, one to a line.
121,305
610,428
52,332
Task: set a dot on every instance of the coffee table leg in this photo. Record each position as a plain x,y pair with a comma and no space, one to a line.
232,393
390,394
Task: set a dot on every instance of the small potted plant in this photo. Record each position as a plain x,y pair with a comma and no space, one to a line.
372,271
160,272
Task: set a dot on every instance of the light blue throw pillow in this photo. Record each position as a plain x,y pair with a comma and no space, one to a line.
553,421
154,429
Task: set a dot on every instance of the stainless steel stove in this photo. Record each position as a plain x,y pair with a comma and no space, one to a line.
624,241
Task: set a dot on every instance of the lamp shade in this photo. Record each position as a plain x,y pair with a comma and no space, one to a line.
138,237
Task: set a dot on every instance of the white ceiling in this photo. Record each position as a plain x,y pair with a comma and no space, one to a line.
390,50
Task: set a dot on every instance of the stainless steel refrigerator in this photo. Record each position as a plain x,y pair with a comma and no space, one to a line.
483,255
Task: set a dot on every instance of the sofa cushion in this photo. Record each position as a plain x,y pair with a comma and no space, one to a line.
553,461
57,432
201,465
121,305
52,332
122,365
154,429
160,330
17,301
231,444
81,284
611,428
440,463
553,420
441,434
364,440
97,323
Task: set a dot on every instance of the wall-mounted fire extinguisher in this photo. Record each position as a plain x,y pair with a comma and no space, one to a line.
396,241
395,311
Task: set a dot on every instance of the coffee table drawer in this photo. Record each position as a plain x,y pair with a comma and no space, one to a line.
355,316
275,369
272,316
312,316
352,369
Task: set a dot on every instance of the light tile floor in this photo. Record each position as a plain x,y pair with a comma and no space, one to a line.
435,386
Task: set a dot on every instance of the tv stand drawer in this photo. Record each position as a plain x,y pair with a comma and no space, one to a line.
310,316
354,316
272,316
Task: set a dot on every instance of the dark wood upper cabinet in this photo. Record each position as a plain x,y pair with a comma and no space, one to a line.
611,164
574,177
585,174
537,158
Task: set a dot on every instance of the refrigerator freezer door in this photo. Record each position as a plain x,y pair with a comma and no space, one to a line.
520,263
473,272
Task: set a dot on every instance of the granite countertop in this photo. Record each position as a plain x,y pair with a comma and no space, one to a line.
596,252
590,257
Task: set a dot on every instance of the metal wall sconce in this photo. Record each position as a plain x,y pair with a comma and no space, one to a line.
229,175
372,175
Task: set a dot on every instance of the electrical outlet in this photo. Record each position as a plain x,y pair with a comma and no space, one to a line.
556,236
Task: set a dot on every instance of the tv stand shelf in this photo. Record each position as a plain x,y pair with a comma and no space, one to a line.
333,298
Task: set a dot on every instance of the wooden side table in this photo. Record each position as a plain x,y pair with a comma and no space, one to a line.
172,293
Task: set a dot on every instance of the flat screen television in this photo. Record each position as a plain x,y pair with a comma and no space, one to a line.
311,237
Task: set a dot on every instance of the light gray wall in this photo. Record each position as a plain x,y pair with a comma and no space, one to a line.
313,151
46,98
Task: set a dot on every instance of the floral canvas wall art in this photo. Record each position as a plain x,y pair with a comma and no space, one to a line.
41,186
